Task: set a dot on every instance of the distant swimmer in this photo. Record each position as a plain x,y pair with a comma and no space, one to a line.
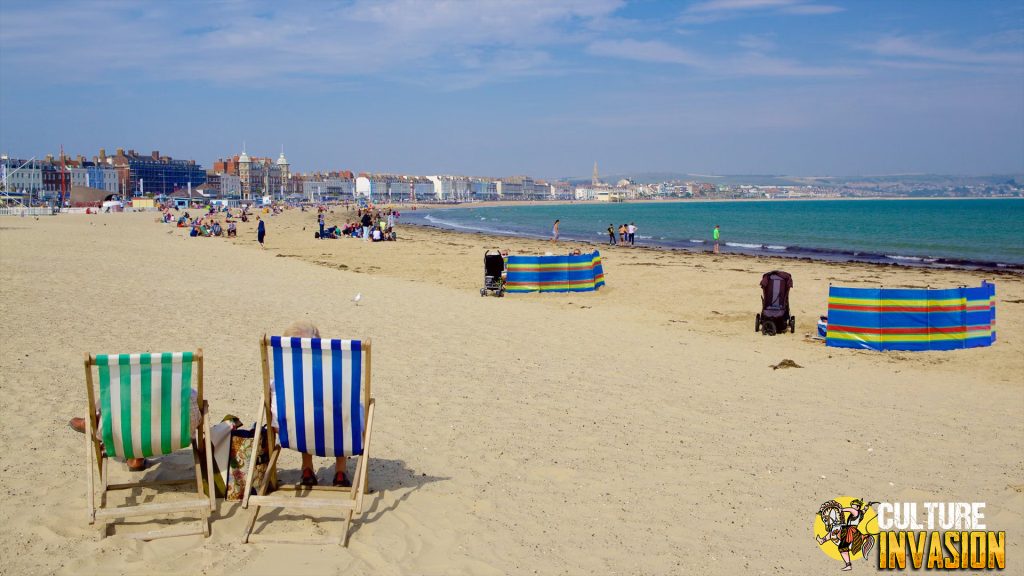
715,235
554,231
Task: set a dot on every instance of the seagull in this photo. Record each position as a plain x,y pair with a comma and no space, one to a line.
357,298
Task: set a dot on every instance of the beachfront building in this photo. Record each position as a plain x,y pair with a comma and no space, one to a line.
153,174
452,188
328,186
102,177
523,188
484,189
257,176
383,188
21,176
562,191
222,185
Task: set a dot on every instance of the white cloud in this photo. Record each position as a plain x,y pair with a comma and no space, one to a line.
927,51
752,63
646,51
238,41
717,10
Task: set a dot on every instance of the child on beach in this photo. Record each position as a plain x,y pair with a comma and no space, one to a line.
554,232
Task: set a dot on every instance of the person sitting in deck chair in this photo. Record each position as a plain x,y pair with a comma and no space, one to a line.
306,329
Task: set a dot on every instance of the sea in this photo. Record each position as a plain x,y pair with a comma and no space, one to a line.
948,233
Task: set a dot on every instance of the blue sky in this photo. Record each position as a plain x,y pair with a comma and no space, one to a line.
539,87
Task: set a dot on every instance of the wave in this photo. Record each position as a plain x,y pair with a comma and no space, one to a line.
773,247
742,245
457,226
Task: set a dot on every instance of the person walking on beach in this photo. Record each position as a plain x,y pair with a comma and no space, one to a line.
554,232
320,221
611,235
631,232
622,234
715,235
261,232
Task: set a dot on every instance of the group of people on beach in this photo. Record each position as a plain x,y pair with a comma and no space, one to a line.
205,225
371,225
208,225
627,233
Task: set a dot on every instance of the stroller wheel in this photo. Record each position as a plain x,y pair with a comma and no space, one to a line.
792,324
483,291
757,323
769,329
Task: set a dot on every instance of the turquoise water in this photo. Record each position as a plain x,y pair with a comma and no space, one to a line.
986,233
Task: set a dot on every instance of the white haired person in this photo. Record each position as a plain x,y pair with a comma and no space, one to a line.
306,329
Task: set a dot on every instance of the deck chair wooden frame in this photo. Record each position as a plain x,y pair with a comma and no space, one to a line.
96,453
302,495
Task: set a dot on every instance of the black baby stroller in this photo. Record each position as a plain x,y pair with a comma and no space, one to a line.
774,316
494,274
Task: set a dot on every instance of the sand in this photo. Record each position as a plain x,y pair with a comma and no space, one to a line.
636,430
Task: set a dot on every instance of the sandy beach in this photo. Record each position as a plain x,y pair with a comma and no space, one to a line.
636,430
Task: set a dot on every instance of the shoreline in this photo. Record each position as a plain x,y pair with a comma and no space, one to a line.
806,254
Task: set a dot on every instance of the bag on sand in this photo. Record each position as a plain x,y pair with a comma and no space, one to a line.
220,438
238,464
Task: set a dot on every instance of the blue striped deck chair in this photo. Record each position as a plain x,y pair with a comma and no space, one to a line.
145,409
316,397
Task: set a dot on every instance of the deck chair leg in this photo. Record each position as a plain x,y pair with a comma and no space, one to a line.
362,473
104,481
209,462
89,474
261,491
198,468
345,527
255,451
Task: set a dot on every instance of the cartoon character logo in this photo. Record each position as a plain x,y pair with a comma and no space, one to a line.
845,523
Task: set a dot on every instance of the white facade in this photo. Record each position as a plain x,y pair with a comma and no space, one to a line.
585,193
79,176
230,185
28,178
363,186
452,188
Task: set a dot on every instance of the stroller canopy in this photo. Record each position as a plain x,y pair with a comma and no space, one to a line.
775,287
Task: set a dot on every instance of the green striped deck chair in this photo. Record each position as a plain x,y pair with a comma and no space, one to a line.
316,397
145,409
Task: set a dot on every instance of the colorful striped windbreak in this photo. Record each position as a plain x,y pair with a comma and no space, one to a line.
145,403
316,388
911,319
581,273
